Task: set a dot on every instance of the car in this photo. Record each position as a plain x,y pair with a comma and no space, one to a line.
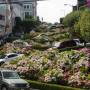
79,42
67,43
9,57
10,80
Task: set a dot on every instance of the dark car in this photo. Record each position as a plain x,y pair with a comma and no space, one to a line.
68,43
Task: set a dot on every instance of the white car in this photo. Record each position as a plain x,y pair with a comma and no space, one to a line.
9,57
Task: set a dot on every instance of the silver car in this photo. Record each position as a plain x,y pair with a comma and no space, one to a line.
9,57
10,80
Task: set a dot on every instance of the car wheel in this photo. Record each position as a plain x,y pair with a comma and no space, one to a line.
4,88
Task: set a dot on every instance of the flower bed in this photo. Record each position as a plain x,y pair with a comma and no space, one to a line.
51,66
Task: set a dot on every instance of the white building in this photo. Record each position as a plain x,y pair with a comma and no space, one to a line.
30,8
24,8
12,9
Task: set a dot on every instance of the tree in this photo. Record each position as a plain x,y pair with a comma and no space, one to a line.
70,20
83,26
17,25
30,23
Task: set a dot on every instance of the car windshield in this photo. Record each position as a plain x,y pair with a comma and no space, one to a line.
2,56
10,75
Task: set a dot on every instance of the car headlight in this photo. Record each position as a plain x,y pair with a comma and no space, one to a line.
28,85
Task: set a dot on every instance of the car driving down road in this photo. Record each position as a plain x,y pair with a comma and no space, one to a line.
9,57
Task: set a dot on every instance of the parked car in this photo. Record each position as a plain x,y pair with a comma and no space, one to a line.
72,43
68,43
10,80
79,42
9,57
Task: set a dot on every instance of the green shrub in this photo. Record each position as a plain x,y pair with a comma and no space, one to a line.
44,86
83,26
71,18
88,77
10,39
40,46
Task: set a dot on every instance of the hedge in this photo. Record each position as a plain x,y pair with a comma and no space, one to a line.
44,86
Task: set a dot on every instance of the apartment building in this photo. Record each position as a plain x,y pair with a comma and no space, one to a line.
9,9
24,8
30,8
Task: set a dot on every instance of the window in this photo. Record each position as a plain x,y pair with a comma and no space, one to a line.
27,6
24,6
10,75
2,17
30,13
30,6
26,14
13,55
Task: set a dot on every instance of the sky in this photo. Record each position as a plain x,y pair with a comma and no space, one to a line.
52,10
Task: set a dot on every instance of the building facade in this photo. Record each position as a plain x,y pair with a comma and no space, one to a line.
30,8
10,9
24,8
5,18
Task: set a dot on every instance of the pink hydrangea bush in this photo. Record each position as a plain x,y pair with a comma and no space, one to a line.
51,66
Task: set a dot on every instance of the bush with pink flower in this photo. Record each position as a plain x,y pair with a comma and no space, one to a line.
51,66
